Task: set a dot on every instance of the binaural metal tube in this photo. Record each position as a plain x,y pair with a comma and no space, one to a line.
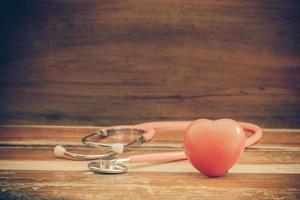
61,152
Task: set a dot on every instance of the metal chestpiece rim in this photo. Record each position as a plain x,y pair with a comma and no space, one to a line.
107,166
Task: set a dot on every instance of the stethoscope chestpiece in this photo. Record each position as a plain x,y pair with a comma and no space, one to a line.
107,166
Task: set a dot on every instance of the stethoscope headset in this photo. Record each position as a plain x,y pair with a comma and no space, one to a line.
212,147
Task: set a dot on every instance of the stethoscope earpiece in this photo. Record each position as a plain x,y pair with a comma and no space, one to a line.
59,151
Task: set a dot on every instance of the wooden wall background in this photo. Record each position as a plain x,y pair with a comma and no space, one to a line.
100,62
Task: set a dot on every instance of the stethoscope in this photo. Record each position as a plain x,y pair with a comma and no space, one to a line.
228,134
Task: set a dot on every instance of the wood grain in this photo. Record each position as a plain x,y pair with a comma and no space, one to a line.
107,62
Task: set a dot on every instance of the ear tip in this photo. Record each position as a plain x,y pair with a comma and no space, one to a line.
59,151
117,147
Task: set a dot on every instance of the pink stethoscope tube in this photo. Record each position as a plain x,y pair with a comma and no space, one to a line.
158,157
181,125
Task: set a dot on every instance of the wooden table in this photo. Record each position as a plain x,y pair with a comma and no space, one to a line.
268,170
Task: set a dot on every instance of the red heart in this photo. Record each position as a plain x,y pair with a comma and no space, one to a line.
214,146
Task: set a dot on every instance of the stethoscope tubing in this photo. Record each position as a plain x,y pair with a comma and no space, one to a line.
182,125
149,133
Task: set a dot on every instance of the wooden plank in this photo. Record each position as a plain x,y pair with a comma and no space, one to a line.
107,62
176,167
53,185
52,135
46,153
